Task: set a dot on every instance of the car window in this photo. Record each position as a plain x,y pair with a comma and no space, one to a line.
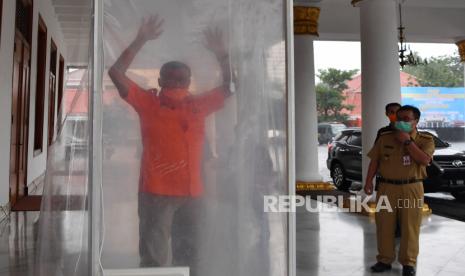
322,129
438,143
341,136
337,128
355,140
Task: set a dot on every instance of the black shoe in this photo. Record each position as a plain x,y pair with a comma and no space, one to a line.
408,270
381,267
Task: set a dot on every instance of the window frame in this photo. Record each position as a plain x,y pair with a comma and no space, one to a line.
39,119
60,92
52,69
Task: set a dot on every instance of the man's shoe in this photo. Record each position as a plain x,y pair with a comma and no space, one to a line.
381,267
408,270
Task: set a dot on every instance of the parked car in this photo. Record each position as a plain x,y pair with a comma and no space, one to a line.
327,131
75,130
345,164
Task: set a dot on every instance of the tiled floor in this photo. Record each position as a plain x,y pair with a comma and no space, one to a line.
328,244
17,246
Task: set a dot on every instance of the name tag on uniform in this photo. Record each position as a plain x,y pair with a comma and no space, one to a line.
406,160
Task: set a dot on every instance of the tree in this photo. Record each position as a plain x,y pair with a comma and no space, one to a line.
443,71
336,79
329,95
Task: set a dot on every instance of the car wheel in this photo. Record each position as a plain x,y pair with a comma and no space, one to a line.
460,196
339,178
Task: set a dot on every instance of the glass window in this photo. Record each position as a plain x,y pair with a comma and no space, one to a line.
337,128
341,136
355,140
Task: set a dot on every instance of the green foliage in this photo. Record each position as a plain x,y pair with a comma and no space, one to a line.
336,79
329,95
443,71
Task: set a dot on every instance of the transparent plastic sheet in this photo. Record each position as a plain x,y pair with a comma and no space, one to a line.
243,155
62,234
63,221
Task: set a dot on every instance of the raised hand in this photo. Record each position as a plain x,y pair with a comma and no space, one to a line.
151,28
401,136
214,42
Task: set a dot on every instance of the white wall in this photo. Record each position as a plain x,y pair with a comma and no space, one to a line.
37,164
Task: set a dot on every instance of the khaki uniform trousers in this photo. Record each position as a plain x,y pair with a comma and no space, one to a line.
406,201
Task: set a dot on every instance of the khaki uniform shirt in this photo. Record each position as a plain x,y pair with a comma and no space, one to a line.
393,157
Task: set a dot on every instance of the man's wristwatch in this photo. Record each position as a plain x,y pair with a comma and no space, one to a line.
407,142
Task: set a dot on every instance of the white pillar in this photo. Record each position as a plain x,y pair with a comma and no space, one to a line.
380,67
305,98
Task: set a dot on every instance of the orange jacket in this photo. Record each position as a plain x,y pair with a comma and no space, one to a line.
172,140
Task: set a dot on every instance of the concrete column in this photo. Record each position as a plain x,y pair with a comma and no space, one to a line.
380,66
305,29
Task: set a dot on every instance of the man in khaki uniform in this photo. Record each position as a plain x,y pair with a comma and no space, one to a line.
391,113
400,158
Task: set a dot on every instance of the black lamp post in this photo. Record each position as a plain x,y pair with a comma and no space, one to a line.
406,56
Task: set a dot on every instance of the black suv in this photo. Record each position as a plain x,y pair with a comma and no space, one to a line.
345,164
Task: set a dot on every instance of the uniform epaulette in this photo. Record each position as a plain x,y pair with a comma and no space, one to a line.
386,132
425,134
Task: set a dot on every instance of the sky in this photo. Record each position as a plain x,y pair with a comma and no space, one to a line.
346,55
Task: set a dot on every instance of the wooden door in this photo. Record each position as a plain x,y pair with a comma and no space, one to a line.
19,119
14,148
24,123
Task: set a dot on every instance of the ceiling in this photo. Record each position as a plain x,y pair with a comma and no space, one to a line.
411,3
425,21
74,17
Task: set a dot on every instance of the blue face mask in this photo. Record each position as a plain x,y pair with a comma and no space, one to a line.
403,126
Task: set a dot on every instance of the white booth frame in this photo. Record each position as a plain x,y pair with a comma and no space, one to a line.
95,162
